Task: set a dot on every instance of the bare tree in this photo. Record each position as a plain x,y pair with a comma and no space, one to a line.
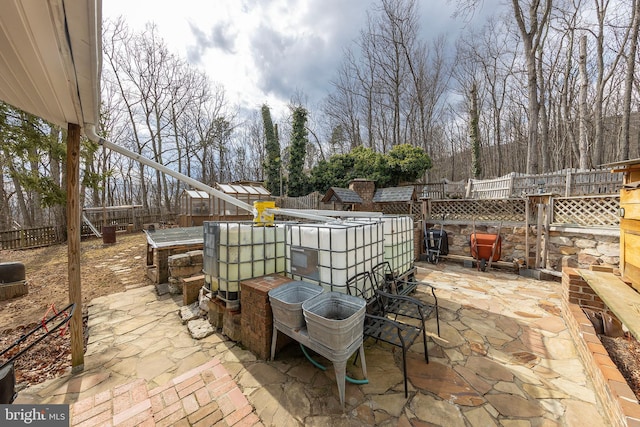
390,90
532,28
602,77
584,84
628,81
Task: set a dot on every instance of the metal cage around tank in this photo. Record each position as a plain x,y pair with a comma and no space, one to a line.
329,253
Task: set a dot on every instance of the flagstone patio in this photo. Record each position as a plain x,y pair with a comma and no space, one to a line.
504,358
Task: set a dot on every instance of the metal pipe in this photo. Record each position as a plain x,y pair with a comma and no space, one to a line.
301,213
91,134
354,214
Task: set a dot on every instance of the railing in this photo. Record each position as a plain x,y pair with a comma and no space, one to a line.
29,238
121,217
442,190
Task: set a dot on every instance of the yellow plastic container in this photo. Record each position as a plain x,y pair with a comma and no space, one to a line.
261,215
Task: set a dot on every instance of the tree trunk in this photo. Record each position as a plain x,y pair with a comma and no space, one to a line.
474,117
5,211
584,84
533,109
628,81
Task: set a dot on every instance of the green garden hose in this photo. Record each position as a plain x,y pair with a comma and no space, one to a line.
317,365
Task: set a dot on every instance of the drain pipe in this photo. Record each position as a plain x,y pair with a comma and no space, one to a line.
91,134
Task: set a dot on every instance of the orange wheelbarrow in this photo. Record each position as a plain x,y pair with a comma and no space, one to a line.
485,248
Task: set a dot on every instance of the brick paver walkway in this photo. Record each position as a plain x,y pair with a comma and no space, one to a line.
204,396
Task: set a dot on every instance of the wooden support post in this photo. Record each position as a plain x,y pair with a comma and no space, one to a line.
548,210
73,245
539,236
527,250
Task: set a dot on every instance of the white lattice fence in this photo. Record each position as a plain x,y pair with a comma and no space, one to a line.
510,210
587,210
413,209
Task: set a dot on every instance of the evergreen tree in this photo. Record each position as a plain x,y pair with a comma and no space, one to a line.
272,163
297,182
404,163
407,163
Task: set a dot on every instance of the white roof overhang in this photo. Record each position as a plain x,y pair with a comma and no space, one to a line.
50,58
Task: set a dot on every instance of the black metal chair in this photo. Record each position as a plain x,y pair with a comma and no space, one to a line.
388,284
379,326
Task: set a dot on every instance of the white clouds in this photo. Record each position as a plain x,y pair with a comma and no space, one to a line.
265,50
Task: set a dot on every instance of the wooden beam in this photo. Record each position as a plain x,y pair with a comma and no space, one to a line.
619,297
629,168
73,244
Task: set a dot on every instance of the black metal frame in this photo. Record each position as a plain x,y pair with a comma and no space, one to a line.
379,326
7,372
392,292
433,244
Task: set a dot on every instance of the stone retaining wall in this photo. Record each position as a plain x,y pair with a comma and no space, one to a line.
567,247
185,275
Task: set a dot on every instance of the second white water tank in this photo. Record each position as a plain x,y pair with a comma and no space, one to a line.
330,253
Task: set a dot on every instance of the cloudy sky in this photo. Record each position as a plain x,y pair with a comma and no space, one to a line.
266,51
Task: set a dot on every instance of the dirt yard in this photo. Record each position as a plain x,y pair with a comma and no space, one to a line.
46,274
105,269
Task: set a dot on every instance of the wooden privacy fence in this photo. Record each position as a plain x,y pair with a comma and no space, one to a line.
568,182
26,238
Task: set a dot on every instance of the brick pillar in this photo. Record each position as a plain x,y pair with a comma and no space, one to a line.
365,189
257,318
576,290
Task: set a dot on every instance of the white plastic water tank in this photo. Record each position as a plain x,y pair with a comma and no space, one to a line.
236,251
398,240
331,253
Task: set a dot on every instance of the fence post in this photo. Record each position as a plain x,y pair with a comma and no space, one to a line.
469,184
567,185
511,179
